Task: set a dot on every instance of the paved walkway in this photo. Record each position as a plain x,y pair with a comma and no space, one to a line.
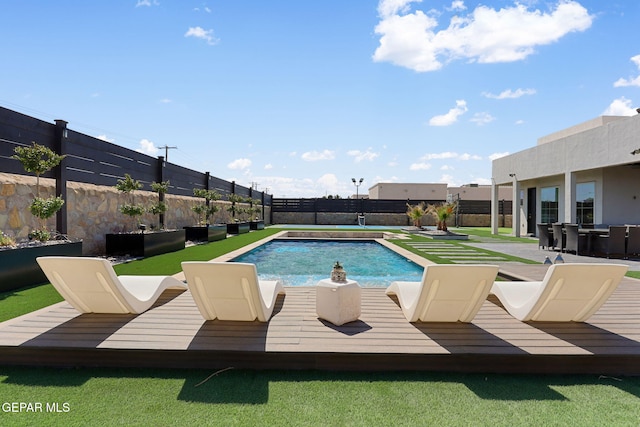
463,252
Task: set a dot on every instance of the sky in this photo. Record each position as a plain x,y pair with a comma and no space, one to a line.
296,98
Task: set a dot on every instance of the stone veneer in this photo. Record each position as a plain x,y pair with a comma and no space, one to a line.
92,210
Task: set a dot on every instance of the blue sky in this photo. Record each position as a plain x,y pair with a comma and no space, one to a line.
298,97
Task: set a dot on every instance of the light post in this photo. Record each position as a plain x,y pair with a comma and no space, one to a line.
357,184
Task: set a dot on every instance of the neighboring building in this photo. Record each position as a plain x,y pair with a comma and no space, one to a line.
430,191
401,191
586,174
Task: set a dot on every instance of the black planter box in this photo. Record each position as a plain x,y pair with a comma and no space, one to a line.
203,233
145,244
238,228
256,225
18,267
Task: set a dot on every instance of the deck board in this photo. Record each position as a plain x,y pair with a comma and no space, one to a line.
173,334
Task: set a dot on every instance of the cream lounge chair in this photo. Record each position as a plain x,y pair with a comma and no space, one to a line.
91,285
447,293
568,292
231,291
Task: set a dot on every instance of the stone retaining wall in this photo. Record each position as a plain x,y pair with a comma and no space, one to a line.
92,210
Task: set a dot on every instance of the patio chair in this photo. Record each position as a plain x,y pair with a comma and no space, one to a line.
613,243
559,238
633,242
575,242
568,292
446,293
231,291
545,238
91,285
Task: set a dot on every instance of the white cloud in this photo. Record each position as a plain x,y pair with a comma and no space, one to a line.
483,181
105,138
314,156
482,118
422,166
457,5
620,107
391,7
444,155
446,168
147,3
519,122
467,156
363,155
239,164
412,40
165,101
447,179
268,166
498,155
201,33
451,117
510,94
632,81
147,147
330,182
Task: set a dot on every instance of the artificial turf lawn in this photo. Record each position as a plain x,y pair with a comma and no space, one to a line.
299,398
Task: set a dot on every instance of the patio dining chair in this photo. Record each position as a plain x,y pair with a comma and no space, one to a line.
575,242
446,293
91,285
559,238
568,292
613,243
545,238
633,242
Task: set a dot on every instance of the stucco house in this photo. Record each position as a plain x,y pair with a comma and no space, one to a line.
586,174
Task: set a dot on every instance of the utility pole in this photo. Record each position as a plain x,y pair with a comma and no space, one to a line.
166,152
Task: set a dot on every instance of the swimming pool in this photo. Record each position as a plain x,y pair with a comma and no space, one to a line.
300,262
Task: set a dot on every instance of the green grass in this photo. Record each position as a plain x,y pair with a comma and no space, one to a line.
307,398
433,257
163,397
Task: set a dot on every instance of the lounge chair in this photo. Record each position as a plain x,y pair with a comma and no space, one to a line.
91,285
568,292
231,291
447,293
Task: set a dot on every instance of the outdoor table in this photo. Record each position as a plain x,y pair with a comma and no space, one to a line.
337,302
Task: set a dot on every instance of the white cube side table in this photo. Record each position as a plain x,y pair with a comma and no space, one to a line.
339,303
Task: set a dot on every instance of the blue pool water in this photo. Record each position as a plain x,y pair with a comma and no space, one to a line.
305,262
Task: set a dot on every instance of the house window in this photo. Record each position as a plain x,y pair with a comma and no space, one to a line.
585,195
549,204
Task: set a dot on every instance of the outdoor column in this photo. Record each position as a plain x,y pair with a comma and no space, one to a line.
495,208
160,179
570,211
60,172
515,207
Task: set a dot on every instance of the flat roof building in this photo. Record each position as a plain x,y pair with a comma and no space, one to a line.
586,174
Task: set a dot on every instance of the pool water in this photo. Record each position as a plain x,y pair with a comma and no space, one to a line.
305,262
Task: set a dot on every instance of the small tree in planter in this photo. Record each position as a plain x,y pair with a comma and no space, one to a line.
442,213
38,160
160,207
206,210
415,213
127,186
255,208
234,208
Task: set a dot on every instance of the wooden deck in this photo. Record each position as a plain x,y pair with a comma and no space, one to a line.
173,334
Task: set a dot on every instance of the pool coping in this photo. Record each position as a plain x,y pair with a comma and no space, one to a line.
380,237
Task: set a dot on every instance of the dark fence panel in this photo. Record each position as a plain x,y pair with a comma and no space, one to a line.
379,205
94,161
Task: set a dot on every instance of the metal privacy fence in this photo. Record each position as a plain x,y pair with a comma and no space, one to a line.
94,161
